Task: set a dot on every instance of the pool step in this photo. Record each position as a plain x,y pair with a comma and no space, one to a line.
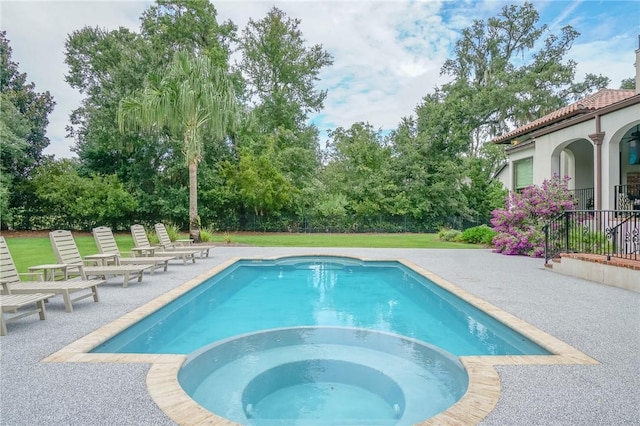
222,391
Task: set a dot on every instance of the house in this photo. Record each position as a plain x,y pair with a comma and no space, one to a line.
595,141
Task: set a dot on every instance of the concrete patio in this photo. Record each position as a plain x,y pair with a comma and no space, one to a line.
601,321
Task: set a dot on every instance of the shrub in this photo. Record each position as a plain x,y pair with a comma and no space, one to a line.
80,202
478,235
152,237
173,230
519,225
588,241
446,234
206,235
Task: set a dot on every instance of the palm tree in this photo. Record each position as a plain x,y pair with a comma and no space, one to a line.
192,99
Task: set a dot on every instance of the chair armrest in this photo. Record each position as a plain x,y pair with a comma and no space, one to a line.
143,251
39,276
101,258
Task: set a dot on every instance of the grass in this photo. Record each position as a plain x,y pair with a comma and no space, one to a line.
343,240
30,251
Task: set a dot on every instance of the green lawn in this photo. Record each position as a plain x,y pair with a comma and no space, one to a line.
343,240
29,251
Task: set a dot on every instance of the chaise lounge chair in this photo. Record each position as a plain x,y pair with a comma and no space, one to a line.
11,303
67,252
107,245
186,244
144,246
11,283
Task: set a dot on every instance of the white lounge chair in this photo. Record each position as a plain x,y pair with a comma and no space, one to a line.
106,243
12,284
11,303
144,246
184,244
67,252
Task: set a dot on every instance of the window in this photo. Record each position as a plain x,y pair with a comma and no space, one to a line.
523,173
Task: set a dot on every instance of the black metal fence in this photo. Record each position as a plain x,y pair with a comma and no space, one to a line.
339,224
627,197
583,198
609,233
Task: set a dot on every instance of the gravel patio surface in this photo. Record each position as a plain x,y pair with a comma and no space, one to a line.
601,321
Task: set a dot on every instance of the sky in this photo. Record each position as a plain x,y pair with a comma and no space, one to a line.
387,54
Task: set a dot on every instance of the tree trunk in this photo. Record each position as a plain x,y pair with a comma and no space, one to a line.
194,219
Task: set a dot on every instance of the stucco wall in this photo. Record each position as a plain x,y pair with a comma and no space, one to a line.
583,154
547,151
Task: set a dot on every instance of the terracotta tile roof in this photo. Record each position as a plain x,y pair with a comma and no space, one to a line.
598,100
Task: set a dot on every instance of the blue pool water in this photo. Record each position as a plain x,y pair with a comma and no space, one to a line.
254,295
325,291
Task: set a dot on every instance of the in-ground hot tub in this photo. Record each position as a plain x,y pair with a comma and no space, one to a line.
323,375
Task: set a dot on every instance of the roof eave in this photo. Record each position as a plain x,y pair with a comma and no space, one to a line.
568,120
510,136
586,117
520,146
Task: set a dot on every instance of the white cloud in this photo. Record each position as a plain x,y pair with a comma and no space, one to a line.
387,54
615,59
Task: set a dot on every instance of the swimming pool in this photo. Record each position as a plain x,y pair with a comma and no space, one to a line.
481,396
254,295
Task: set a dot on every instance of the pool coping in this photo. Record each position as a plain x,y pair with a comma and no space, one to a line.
480,399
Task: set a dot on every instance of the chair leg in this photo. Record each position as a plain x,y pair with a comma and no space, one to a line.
125,279
42,312
3,325
67,301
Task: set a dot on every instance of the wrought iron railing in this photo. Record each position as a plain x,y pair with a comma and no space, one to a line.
627,197
583,198
605,232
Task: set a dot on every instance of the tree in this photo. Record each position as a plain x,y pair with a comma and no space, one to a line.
34,108
281,71
24,117
172,25
506,70
427,168
358,171
259,185
107,65
628,83
14,129
194,100
483,192
511,82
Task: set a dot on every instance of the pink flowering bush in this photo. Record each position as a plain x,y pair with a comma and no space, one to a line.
519,225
